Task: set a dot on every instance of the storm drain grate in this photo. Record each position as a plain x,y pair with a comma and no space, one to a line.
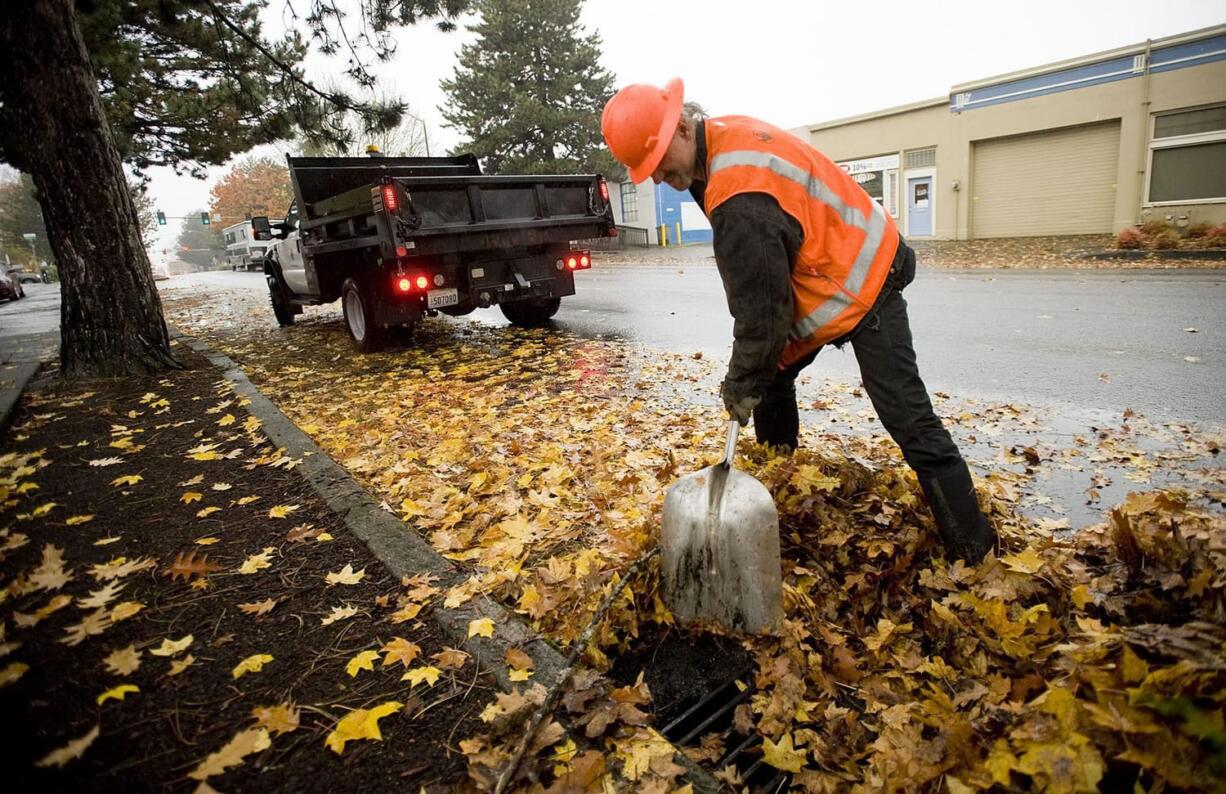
713,713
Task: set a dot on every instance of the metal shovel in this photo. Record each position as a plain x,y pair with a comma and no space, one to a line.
721,547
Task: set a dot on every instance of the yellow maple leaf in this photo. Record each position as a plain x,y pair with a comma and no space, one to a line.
123,662
399,650
209,541
419,674
207,455
71,751
246,500
345,575
363,661
482,627
244,743
252,664
127,479
1027,561
323,537
281,511
191,496
75,520
226,420
208,511
782,755
257,562
171,647
117,693
360,724
519,675
279,719
43,510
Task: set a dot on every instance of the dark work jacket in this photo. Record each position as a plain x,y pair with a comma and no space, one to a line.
755,245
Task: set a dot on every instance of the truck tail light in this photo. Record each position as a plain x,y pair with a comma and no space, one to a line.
391,202
577,260
403,284
604,190
422,282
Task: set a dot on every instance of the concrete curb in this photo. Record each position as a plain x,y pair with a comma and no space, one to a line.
403,551
13,382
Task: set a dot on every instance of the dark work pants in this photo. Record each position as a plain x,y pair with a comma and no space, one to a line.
882,343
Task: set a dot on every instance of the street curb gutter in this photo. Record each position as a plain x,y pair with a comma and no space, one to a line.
403,551
12,384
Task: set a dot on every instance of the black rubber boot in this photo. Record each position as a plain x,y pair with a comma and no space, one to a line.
965,531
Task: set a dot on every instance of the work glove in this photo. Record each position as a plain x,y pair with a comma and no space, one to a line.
741,408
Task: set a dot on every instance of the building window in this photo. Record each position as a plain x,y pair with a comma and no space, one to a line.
1187,156
879,178
630,202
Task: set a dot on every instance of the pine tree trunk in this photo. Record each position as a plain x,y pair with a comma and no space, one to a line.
110,315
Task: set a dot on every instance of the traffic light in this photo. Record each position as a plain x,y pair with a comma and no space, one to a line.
204,218
161,218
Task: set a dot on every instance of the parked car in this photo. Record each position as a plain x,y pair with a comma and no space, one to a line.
26,277
10,287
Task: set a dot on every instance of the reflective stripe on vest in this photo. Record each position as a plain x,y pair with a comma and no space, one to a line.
874,228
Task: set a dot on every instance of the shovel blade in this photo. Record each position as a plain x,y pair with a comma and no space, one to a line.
720,543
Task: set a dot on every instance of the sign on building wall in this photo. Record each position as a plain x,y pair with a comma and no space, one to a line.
879,178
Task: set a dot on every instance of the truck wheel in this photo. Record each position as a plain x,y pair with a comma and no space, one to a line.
360,317
529,314
281,306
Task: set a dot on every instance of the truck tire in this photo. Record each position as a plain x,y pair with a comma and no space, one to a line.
281,307
530,314
360,317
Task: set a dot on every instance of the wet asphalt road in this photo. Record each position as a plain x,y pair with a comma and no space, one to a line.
1084,342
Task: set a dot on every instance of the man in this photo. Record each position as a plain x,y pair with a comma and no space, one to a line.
807,259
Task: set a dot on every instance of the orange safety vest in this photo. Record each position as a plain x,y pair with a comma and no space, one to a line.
849,240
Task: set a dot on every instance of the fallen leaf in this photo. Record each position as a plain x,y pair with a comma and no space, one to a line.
482,627
450,658
252,664
209,541
278,719
252,740
71,751
339,613
125,609
76,520
14,671
124,661
179,665
171,647
105,461
43,510
246,500
363,661
191,496
360,724
127,479
222,486
281,511
345,575
208,511
399,650
259,607
782,755
257,562
419,674
117,693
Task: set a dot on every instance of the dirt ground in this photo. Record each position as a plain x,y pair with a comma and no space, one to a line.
137,476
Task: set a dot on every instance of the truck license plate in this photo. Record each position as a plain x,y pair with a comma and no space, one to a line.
442,297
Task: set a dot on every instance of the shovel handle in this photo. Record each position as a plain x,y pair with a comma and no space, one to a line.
734,430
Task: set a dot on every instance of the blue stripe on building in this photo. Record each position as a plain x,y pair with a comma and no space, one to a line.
1167,59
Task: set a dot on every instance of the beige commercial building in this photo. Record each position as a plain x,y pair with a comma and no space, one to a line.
1085,146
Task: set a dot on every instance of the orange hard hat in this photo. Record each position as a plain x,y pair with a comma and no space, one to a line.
638,124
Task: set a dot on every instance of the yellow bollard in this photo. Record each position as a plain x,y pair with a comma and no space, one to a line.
678,233
664,235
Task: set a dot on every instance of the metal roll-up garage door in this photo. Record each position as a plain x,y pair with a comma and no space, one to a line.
1046,183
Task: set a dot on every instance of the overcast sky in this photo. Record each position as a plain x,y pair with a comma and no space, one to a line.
789,63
